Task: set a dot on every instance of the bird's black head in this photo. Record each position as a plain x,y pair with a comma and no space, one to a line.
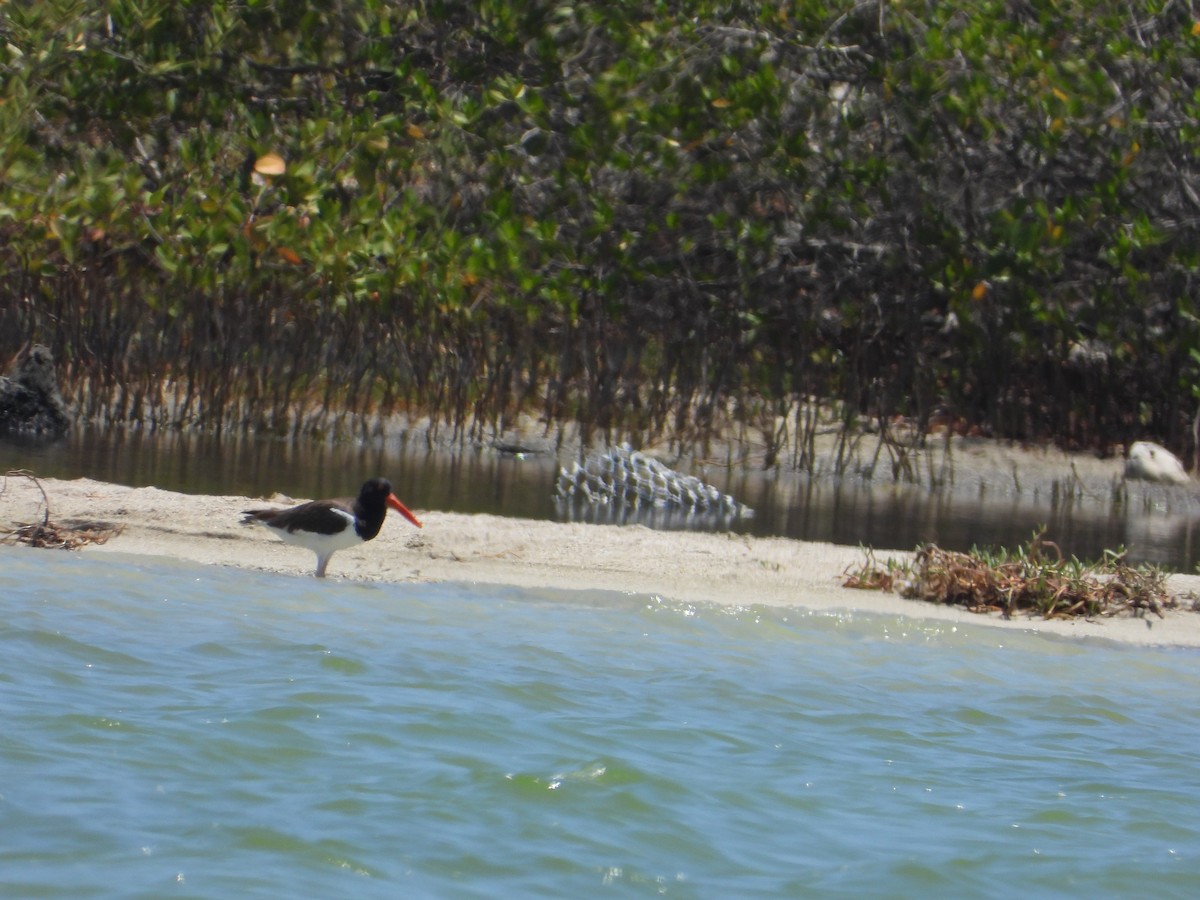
370,508
376,487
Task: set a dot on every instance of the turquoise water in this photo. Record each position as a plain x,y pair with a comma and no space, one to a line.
183,731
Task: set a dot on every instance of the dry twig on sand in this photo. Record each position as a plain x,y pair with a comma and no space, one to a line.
67,535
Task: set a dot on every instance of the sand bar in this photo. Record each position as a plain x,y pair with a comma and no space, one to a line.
485,549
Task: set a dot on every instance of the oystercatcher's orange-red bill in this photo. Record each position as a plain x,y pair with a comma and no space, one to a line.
394,502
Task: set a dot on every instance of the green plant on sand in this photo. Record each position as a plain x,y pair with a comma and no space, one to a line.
1035,580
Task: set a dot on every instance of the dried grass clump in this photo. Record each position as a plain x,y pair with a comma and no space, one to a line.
67,535
1035,580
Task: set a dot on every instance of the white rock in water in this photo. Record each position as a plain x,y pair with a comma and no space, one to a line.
627,477
1150,462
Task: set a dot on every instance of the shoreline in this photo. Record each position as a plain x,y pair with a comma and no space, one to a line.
483,549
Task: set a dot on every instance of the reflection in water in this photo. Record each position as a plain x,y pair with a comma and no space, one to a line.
1156,523
1170,540
657,516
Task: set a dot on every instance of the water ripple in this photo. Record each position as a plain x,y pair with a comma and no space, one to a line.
200,732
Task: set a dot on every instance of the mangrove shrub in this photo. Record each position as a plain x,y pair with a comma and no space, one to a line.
648,218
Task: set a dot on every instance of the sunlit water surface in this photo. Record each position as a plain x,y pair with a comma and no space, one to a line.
183,731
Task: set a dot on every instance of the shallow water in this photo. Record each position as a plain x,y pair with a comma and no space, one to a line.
184,731
1157,525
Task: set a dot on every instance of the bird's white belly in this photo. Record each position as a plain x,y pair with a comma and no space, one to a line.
322,544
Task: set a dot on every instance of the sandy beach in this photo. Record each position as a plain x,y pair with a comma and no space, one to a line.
483,549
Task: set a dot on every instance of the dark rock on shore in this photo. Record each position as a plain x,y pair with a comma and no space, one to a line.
30,403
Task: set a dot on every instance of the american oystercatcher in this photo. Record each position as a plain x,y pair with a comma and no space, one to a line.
326,526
